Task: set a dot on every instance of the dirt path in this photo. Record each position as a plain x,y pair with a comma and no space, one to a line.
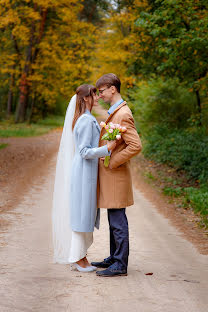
29,281
21,162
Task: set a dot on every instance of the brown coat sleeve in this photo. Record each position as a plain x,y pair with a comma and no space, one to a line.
132,142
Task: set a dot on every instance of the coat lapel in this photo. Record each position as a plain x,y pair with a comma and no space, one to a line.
110,116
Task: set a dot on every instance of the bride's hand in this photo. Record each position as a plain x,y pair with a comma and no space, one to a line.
111,145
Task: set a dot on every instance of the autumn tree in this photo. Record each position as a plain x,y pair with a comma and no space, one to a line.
119,47
93,11
46,51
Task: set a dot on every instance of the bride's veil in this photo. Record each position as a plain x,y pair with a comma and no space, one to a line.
61,195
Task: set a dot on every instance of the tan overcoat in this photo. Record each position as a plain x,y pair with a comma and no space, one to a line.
115,183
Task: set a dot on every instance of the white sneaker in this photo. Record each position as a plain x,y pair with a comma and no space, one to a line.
81,269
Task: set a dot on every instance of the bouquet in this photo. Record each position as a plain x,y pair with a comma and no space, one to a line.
113,132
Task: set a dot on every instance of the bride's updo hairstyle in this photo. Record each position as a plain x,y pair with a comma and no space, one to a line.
82,91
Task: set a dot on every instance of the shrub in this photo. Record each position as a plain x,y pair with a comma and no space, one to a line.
161,101
198,200
182,149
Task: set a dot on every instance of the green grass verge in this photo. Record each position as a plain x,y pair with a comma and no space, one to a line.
195,198
183,149
52,121
3,145
8,129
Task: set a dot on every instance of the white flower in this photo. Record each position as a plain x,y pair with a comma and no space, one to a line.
118,137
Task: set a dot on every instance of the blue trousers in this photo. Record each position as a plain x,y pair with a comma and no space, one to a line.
119,237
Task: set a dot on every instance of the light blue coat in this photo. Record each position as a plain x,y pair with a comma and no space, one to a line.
83,200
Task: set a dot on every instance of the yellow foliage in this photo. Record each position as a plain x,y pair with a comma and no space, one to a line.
60,48
119,45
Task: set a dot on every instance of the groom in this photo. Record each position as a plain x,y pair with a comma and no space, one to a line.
114,183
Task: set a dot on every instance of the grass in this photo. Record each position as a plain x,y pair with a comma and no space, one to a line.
9,129
173,191
149,176
195,198
52,121
3,145
183,149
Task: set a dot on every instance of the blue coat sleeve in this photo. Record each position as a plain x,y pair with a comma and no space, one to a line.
85,137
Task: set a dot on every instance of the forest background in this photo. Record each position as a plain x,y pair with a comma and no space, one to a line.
158,48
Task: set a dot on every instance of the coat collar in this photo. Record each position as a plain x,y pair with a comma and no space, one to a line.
111,115
87,112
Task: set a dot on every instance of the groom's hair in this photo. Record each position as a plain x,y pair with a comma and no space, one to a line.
109,80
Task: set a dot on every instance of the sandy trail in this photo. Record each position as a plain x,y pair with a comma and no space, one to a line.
29,281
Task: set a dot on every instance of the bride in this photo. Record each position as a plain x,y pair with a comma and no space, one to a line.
75,210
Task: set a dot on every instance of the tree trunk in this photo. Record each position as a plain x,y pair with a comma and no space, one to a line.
30,59
9,103
10,96
22,103
199,106
31,108
44,13
24,85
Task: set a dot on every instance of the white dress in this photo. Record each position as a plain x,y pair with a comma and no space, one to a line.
80,242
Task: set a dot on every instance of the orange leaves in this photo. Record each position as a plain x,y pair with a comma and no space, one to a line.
8,17
46,41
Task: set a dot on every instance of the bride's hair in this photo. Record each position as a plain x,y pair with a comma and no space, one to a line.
82,91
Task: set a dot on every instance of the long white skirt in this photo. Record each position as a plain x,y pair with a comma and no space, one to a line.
80,242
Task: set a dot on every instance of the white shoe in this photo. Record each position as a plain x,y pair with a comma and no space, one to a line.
94,268
81,269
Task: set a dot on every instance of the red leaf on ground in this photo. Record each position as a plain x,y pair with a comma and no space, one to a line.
149,273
